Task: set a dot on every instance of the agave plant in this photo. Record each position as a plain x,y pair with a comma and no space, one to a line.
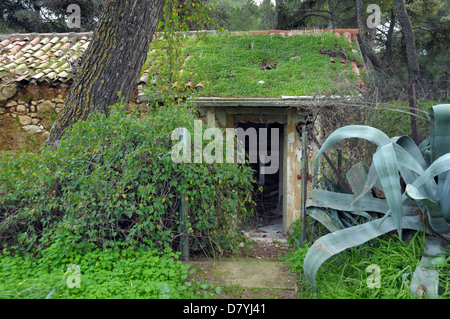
425,169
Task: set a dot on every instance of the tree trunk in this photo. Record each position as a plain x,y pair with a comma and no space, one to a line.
267,17
333,14
366,49
413,63
390,39
280,14
111,64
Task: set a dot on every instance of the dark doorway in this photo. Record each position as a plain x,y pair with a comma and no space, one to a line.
269,183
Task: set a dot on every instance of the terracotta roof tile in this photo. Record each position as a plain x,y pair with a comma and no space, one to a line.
41,57
4,43
35,41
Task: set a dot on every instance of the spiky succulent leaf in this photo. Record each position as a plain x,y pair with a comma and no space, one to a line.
338,241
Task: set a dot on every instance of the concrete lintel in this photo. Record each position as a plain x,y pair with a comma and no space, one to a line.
283,102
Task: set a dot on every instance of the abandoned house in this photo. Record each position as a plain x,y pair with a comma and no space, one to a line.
260,79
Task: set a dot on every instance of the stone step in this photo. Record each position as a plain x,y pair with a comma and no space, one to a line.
249,273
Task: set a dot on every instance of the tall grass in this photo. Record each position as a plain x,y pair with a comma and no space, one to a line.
347,276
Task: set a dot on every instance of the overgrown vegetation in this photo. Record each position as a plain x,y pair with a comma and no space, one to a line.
231,65
108,200
347,276
111,273
113,180
377,202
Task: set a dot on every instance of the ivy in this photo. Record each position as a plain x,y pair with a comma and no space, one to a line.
113,180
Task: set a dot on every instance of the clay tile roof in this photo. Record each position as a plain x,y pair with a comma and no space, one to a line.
40,57
48,57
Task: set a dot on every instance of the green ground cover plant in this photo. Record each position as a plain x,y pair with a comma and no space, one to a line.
231,64
112,273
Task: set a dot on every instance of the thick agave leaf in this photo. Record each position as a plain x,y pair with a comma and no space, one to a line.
432,208
409,165
352,131
443,196
331,219
343,202
385,162
322,217
439,166
357,176
425,280
340,201
440,143
408,145
440,140
371,182
338,241
424,145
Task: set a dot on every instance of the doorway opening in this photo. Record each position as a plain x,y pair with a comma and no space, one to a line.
269,182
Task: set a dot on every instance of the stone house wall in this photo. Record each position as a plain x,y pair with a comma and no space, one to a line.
27,113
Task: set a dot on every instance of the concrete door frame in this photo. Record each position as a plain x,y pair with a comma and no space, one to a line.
221,112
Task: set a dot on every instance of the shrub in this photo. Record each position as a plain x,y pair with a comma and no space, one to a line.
113,180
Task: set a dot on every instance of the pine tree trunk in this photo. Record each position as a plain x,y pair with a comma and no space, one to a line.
366,49
111,64
390,39
413,63
280,15
267,17
332,14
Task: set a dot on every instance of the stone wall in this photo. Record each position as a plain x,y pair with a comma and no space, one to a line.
27,113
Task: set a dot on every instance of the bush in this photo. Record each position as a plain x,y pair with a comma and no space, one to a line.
113,180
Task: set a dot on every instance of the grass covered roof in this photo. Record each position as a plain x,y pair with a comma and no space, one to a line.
255,65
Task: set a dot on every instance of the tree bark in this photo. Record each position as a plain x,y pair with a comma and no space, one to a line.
112,63
366,49
280,14
413,63
267,17
389,39
333,14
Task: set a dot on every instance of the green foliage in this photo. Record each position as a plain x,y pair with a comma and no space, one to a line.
395,158
46,16
112,273
392,118
232,64
113,180
237,15
345,276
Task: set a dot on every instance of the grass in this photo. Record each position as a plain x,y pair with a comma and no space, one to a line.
347,276
231,65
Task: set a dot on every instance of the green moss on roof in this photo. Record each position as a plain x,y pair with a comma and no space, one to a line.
231,65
